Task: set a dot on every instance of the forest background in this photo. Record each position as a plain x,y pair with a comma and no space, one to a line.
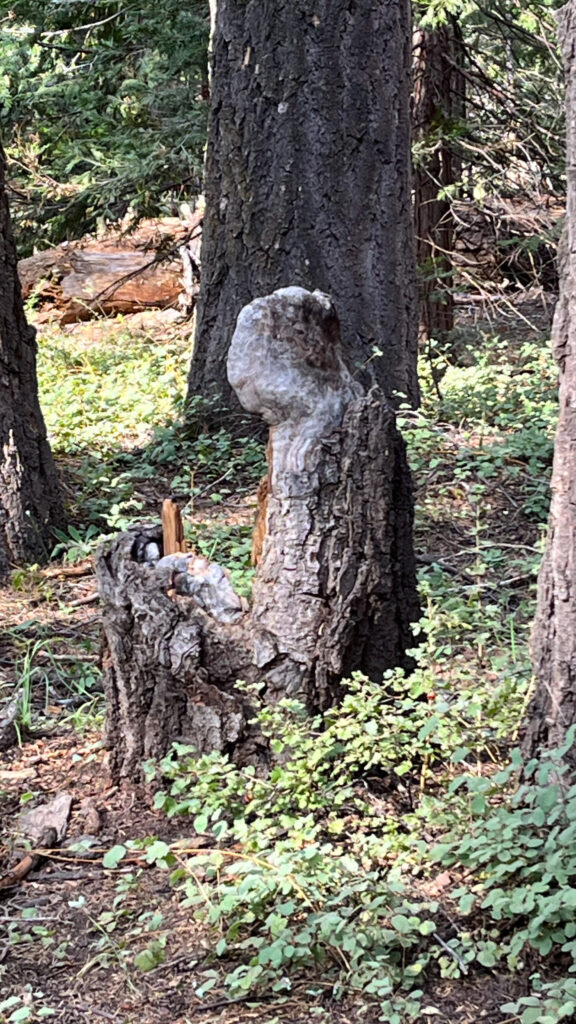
103,111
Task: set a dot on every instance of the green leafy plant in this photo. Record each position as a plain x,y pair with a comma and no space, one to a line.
519,847
74,545
311,886
125,447
548,1003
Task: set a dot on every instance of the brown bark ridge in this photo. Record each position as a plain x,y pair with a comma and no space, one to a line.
308,178
553,707
335,587
29,497
438,103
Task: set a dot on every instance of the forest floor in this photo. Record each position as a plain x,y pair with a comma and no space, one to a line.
87,940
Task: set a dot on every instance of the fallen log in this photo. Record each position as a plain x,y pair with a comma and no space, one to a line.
335,586
155,268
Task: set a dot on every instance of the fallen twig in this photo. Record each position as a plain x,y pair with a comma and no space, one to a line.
32,860
92,1009
55,571
90,599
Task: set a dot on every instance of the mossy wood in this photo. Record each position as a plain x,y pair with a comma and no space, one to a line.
335,585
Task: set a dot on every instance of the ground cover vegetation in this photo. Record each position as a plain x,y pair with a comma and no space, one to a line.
391,854
400,861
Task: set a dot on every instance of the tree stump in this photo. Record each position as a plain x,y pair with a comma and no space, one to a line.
335,588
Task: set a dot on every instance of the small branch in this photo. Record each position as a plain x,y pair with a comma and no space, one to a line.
463,967
30,861
71,658
85,28
53,572
90,599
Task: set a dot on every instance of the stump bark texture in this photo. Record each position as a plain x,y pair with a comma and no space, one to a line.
335,587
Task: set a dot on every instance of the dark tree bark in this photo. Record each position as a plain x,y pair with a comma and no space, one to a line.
335,589
308,178
29,498
439,94
553,708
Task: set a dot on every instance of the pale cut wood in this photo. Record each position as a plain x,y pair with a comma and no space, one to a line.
172,528
335,587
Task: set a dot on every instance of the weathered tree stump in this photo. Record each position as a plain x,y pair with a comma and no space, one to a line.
334,589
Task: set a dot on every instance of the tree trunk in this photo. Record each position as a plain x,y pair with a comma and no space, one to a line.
308,178
335,588
438,103
553,708
29,499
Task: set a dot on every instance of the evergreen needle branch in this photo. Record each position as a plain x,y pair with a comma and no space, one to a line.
88,27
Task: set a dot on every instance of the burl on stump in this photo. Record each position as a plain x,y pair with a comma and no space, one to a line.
335,586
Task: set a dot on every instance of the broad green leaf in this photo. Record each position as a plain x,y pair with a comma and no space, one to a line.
113,857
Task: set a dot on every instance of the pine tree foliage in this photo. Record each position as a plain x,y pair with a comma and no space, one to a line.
102,109
508,140
514,112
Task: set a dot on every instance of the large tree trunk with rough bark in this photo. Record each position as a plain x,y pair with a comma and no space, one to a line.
553,708
29,498
308,178
438,103
335,588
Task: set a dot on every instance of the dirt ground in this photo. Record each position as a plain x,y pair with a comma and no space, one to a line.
84,973
80,924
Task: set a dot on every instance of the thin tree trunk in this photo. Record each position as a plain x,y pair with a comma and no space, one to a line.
438,103
553,708
29,498
308,178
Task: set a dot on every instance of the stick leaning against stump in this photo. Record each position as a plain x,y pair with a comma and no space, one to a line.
335,587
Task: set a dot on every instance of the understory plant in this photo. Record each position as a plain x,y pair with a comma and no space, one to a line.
322,871
309,869
518,851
